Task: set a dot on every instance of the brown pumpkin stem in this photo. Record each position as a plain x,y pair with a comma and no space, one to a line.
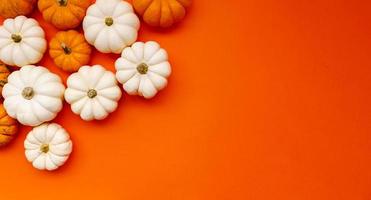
66,49
108,21
62,2
44,148
142,68
28,93
92,93
16,38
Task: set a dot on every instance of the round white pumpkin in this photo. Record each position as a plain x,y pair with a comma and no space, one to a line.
33,95
92,92
143,69
22,41
48,146
111,25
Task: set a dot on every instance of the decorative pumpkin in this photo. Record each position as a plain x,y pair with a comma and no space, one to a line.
92,92
22,41
111,25
4,73
64,14
13,8
69,50
33,95
143,69
163,13
8,127
48,146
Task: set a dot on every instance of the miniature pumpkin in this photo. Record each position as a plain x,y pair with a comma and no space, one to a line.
4,73
13,8
92,92
143,69
163,13
63,14
33,95
22,41
8,127
69,50
48,146
110,25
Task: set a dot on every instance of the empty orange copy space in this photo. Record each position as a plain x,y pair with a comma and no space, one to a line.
267,100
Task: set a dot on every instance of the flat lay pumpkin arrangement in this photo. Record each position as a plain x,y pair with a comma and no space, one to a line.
33,96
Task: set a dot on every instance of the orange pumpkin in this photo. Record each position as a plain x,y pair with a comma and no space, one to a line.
163,13
13,8
8,127
4,73
64,14
69,50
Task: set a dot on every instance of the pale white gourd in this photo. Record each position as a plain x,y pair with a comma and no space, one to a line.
48,146
33,95
92,92
22,41
110,25
143,69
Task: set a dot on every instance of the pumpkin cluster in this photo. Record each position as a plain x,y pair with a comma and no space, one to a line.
31,95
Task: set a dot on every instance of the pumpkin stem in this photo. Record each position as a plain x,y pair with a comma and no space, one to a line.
16,38
108,21
66,49
142,68
28,93
62,2
44,148
92,93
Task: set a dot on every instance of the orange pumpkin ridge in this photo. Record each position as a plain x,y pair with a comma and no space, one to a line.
162,13
4,73
13,8
8,127
64,14
69,50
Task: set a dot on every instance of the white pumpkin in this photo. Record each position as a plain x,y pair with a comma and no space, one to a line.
92,92
48,146
33,95
111,25
22,41
143,69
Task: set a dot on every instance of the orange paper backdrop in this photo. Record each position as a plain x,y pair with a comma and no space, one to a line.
267,100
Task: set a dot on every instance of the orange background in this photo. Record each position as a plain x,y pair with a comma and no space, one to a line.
267,100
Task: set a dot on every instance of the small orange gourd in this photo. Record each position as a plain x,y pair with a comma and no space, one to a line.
4,73
69,50
64,14
8,127
163,13
13,8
